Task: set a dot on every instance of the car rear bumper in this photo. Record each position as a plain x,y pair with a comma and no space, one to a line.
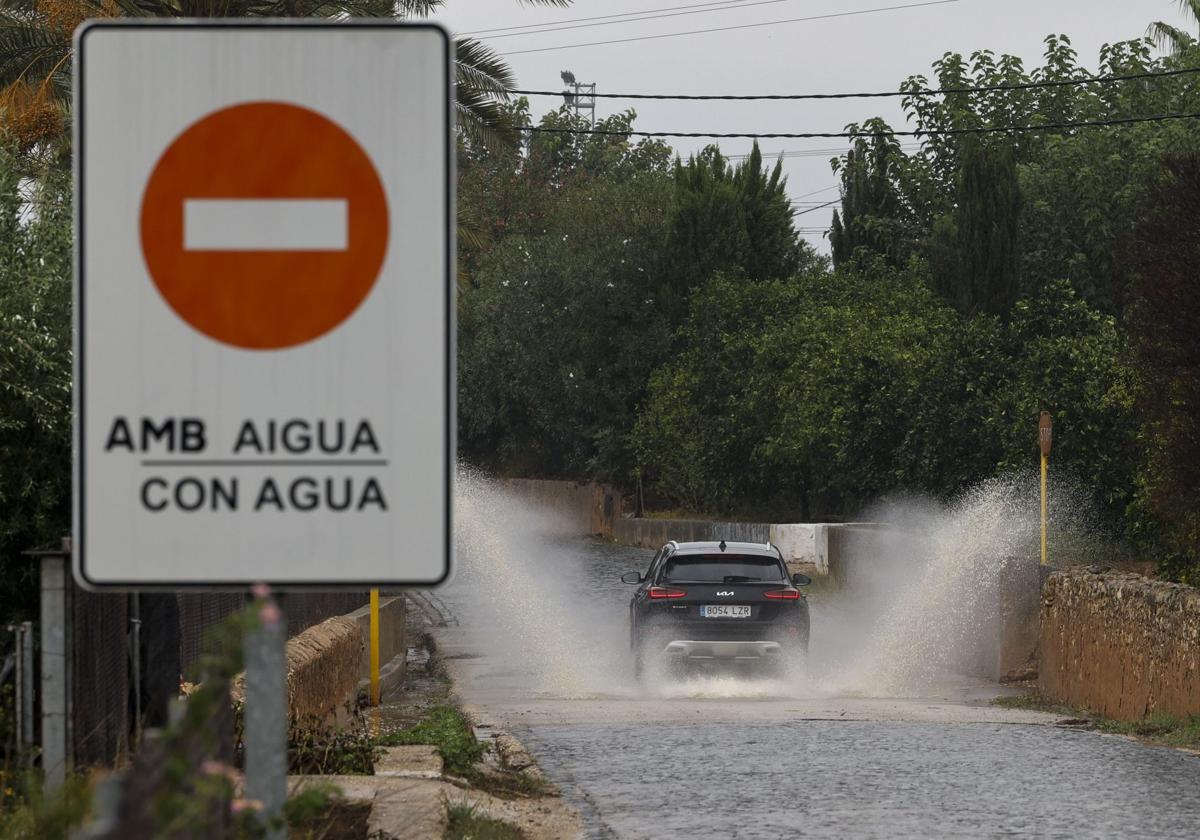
690,649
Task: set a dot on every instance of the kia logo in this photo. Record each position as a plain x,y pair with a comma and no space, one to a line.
729,592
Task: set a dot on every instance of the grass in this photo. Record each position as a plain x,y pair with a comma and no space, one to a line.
1162,729
1037,703
1167,730
447,729
466,823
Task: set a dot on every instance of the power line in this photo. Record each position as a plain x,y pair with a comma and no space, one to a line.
818,207
731,28
932,132
801,153
629,18
731,4
1090,80
815,192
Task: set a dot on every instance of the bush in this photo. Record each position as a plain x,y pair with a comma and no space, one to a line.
812,397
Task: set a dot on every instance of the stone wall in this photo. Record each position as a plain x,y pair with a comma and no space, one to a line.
1120,644
329,662
578,507
323,665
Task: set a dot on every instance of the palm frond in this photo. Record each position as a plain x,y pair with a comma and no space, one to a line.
1167,37
29,52
483,83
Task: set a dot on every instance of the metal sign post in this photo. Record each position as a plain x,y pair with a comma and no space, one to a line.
374,647
1045,437
266,716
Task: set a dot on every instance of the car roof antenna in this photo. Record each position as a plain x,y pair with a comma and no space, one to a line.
722,545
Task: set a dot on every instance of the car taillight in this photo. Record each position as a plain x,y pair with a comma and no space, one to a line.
783,594
659,592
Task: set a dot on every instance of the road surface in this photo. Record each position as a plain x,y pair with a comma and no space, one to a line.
537,643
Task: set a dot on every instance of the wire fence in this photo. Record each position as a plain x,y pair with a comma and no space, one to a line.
128,655
100,677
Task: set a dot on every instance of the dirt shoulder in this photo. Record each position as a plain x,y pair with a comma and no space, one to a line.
505,782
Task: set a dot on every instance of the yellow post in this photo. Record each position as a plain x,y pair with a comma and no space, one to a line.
375,641
1045,461
1045,439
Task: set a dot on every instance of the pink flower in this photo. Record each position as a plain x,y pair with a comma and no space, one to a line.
269,614
239,805
260,590
218,768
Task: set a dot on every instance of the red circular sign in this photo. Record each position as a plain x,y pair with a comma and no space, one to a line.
264,225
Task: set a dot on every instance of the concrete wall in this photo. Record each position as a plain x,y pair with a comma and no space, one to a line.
654,533
839,550
803,546
578,508
1120,644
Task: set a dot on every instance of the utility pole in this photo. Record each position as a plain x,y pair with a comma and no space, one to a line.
581,97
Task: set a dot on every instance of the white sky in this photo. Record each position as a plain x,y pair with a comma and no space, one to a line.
865,52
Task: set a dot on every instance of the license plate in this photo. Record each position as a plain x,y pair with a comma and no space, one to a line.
725,611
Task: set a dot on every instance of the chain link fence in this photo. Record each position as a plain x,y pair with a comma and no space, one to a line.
129,653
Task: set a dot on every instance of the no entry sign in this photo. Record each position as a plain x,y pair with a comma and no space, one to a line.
264,304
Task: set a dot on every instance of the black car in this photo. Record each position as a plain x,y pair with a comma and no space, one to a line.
709,602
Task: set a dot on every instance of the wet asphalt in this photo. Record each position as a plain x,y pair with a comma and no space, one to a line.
539,645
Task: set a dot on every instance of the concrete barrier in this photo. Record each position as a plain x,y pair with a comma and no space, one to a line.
1120,644
654,533
578,507
804,546
837,550
393,641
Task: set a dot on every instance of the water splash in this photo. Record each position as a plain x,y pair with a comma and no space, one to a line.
941,580
921,606
524,596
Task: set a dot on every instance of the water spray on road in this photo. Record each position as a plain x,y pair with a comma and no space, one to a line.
921,603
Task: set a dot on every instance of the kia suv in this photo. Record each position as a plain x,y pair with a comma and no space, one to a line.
714,603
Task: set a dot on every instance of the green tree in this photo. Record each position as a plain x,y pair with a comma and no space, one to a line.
560,322
814,396
793,397
975,253
873,219
1165,321
729,218
35,373
1079,190
36,52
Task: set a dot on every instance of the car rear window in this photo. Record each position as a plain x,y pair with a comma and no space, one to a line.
718,568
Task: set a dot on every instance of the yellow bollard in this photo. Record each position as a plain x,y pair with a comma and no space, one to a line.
1045,461
375,645
1045,437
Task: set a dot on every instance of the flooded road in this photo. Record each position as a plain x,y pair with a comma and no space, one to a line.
868,779
537,643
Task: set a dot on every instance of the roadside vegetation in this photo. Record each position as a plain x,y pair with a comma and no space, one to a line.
466,823
447,729
1161,729
630,316
627,316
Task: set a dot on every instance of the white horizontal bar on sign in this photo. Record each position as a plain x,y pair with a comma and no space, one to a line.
265,224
